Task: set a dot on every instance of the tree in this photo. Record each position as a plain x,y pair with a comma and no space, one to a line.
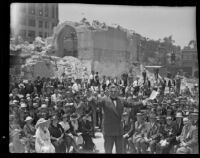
193,43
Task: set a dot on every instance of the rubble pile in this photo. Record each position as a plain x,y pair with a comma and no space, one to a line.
38,62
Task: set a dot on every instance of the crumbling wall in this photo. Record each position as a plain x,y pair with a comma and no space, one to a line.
108,51
112,52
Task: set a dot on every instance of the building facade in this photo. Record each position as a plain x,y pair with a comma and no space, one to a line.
34,19
190,61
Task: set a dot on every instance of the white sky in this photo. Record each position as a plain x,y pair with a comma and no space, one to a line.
151,22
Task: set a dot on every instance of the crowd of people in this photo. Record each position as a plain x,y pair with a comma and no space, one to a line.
51,115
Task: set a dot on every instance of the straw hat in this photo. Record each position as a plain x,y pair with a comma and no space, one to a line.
35,105
28,95
28,118
43,106
74,116
23,105
40,122
15,101
179,114
139,114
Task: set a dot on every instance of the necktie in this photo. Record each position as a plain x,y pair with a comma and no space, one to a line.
115,103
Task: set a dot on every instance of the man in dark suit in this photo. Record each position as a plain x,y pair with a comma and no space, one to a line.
113,107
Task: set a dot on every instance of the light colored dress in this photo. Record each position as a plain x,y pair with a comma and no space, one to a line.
43,143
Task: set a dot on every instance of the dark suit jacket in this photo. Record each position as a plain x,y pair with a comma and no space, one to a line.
112,118
179,128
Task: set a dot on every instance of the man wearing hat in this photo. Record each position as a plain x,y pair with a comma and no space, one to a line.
57,133
194,117
188,139
151,137
169,136
179,123
23,113
86,130
29,131
139,132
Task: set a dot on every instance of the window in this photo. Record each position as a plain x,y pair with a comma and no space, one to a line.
40,12
31,9
46,25
46,11
31,22
40,34
23,8
52,25
31,34
40,24
23,33
23,21
53,12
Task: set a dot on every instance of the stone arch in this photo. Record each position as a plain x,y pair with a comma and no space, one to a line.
65,41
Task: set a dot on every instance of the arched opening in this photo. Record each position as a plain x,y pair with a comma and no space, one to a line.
70,42
66,41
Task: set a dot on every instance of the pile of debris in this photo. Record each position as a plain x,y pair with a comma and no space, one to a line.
39,62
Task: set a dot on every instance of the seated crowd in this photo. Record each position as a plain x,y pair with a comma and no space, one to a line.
52,116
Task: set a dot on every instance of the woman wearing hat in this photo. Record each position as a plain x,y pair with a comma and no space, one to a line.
43,143
29,131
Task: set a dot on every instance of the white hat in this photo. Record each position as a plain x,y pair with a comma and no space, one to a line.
10,95
25,81
185,119
20,96
43,106
179,114
41,121
46,99
21,85
28,118
35,104
28,95
23,105
15,101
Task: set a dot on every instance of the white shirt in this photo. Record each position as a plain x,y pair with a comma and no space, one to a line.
115,103
65,125
75,87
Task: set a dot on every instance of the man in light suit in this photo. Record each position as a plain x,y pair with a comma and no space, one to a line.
113,107
188,139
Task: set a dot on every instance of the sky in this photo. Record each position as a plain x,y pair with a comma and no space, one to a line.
151,22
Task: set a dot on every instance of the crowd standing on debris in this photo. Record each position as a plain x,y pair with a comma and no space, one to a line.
51,115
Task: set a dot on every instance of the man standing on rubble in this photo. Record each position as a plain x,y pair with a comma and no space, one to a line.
113,107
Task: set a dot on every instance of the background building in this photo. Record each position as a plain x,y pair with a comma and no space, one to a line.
30,20
190,61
